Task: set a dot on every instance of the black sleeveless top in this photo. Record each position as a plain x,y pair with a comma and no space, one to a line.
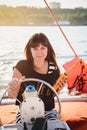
46,94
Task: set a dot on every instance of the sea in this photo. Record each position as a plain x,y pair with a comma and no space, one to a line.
14,38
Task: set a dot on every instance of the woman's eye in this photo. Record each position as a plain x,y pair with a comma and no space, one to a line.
35,49
42,48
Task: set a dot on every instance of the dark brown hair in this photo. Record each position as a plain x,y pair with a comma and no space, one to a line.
34,41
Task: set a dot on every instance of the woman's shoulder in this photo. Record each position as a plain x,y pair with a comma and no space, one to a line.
22,62
52,67
22,66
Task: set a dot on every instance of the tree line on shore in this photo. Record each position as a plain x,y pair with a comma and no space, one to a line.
31,16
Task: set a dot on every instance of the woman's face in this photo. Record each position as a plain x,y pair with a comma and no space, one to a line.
39,53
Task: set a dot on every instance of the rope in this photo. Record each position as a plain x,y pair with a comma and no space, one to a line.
51,12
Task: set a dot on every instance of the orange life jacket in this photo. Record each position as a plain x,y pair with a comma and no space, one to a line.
76,70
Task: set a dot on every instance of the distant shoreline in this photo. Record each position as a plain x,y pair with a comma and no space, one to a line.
27,16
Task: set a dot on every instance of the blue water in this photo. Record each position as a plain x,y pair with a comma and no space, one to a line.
14,39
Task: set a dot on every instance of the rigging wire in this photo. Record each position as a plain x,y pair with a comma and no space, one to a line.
51,12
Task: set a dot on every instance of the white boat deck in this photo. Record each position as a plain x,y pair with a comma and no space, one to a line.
74,98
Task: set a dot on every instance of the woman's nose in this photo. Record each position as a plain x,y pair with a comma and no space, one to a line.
39,52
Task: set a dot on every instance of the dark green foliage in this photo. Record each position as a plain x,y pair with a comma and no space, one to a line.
26,16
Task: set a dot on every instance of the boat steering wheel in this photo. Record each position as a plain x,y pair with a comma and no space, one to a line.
42,82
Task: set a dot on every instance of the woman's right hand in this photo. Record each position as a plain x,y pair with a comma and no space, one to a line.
14,87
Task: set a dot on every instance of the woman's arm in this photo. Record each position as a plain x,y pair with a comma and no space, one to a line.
14,85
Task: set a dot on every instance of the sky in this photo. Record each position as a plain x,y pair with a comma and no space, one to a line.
41,3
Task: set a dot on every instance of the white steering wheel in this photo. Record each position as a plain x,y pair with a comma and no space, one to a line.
42,82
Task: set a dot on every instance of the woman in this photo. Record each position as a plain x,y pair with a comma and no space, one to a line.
40,63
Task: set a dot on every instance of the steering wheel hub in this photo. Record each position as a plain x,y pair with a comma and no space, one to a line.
31,108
